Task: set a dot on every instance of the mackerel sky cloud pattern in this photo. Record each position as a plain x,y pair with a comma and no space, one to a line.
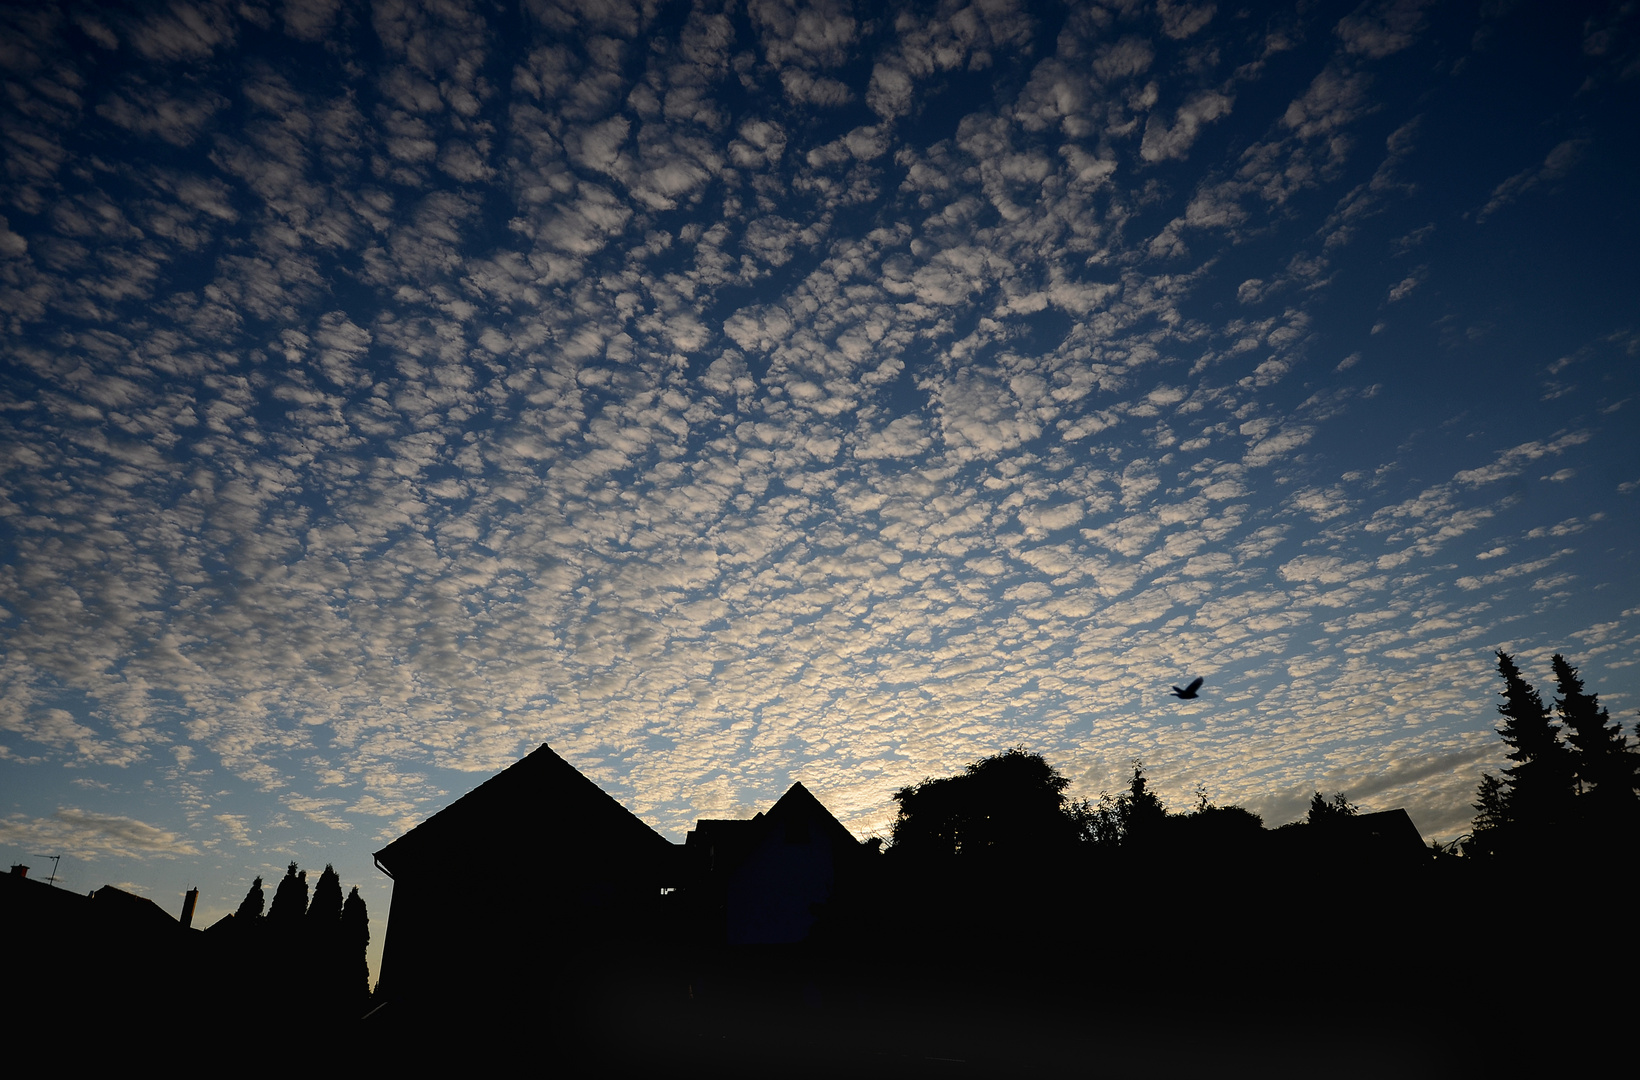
732,394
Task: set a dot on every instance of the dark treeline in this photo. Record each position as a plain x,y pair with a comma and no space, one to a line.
1003,928
311,953
102,976
1004,910
1573,786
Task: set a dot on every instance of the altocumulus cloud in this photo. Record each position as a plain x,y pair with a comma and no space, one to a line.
731,395
83,834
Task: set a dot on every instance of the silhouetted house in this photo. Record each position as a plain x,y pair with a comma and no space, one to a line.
32,910
1384,841
766,880
108,961
1390,834
130,913
512,886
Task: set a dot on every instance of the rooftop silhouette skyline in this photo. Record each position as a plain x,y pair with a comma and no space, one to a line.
736,399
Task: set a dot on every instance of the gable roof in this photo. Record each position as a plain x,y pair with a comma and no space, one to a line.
723,843
1384,834
131,910
798,802
1393,829
539,805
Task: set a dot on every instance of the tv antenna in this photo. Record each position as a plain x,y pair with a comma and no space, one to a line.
55,859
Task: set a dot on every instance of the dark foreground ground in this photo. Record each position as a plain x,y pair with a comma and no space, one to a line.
1155,974
759,1014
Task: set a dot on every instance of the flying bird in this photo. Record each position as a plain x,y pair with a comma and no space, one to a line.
1190,691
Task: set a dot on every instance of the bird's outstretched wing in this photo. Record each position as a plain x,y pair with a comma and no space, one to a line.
1188,691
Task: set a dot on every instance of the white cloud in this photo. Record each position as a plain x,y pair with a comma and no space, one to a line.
1162,142
85,834
617,386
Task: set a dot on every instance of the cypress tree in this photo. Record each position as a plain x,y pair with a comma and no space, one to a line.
327,959
326,907
291,897
355,924
251,906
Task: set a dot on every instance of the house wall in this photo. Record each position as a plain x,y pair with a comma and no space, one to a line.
771,896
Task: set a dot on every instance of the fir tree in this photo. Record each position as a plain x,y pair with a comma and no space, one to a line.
1490,829
1540,783
290,898
251,906
1600,754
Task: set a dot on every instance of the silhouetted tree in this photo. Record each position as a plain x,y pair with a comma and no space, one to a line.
1536,800
1489,832
251,906
1322,812
1227,820
291,897
326,906
355,942
323,946
1138,819
1214,832
1600,755
1139,813
1012,802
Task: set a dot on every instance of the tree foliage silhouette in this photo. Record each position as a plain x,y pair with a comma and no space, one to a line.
1010,803
1601,758
1540,783
1139,813
1491,812
1323,812
1555,793
291,897
326,906
251,906
355,941
1137,820
313,952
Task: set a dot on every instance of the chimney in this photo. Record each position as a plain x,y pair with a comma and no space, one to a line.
188,901
19,870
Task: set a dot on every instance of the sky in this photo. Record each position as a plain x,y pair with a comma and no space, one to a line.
733,394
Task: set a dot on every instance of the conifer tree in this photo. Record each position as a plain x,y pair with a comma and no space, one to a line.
326,906
1491,825
1540,789
322,940
355,935
251,906
290,898
1600,754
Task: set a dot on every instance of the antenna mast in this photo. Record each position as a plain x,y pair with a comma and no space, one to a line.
55,859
